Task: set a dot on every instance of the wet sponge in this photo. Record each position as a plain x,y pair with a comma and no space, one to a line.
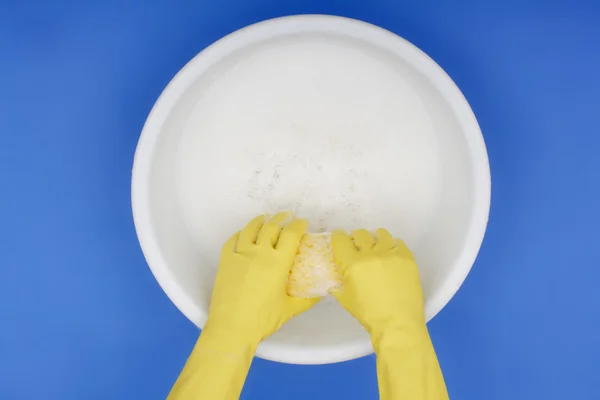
314,272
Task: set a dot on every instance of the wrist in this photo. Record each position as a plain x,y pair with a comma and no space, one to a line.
217,367
401,336
234,343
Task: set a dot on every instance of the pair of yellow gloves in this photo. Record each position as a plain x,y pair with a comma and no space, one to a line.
249,303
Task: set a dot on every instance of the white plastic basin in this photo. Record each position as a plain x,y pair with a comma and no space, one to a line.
347,124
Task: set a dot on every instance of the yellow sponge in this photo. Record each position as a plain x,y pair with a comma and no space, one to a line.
314,272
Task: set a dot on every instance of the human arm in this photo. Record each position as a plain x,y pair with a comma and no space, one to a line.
248,304
382,289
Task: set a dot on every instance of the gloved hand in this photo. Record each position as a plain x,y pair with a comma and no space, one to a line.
249,303
382,289
381,281
250,290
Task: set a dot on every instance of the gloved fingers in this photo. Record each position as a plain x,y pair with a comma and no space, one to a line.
269,233
401,248
231,244
341,297
282,217
343,248
363,239
249,234
297,306
337,293
291,236
385,241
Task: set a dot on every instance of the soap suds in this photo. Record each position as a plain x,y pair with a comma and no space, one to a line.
335,135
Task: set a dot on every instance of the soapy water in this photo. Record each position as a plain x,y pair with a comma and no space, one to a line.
346,144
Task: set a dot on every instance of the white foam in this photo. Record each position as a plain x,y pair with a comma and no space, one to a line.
324,129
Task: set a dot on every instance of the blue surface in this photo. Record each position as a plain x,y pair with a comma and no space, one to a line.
81,316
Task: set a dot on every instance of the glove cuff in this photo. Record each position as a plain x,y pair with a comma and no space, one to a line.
400,337
232,345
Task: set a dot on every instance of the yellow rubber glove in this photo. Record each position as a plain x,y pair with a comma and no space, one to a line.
383,291
249,303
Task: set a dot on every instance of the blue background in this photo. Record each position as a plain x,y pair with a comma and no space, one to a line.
81,316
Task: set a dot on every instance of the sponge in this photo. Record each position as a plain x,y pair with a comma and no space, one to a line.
314,272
